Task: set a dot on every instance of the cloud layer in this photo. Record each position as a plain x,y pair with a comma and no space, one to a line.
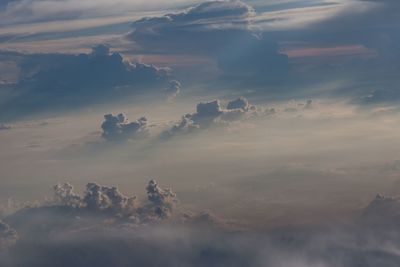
47,240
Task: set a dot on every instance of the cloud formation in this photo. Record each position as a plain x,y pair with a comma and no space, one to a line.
109,201
173,89
382,212
219,29
4,127
118,128
212,114
8,236
59,81
123,245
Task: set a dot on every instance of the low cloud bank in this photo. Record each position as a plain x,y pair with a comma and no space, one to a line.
120,245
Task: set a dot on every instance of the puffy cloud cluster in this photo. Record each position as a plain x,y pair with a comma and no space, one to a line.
60,81
116,128
213,113
103,198
106,200
8,236
64,194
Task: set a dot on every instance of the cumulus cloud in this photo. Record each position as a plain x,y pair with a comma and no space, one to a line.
220,29
117,128
161,200
213,113
62,80
64,194
109,201
103,198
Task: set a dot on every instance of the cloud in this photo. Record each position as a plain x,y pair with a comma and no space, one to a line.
219,29
28,11
8,236
173,89
106,230
109,201
213,114
161,201
382,213
59,81
104,199
118,128
4,127
197,245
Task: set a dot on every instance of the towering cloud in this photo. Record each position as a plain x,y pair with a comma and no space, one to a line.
161,200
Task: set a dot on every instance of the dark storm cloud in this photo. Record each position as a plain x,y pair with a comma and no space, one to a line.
118,128
60,81
219,29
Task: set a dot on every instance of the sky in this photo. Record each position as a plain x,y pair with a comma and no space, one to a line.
208,133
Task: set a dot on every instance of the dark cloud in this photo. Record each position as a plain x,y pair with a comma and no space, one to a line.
118,128
60,81
219,29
